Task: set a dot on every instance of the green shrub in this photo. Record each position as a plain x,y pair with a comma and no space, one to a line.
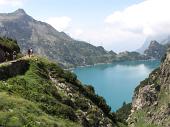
163,58
60,110
124,112
69,103
90,89
9,44
82,104
70,77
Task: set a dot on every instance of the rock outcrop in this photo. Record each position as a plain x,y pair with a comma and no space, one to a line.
151,101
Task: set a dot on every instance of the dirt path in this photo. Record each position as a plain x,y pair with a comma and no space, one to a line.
13,61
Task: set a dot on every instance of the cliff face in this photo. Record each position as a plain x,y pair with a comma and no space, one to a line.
151,101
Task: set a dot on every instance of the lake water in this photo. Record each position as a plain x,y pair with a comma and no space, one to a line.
117,81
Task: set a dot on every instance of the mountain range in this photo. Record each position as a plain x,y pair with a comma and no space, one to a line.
162,39
57,46
38,92
47,41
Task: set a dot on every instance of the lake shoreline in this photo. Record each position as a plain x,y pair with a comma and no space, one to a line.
116,81
72,68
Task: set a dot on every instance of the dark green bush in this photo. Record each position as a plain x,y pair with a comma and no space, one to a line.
90,89
69,103
124,112
9,44
82,104
70,77
60,110
163,58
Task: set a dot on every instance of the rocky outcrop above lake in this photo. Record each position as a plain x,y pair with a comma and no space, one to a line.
151,100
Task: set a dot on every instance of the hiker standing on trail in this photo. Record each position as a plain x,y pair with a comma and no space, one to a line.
29,52
14,55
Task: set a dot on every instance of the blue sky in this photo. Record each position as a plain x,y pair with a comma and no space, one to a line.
115,24
88,12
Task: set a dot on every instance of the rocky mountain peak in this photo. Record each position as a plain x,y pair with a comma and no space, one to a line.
18,15
153,43
20,11
155,50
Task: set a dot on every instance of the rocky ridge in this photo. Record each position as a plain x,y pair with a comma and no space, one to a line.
58,46
151,101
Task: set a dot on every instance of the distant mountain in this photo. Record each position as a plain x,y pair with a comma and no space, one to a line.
47,41
122,56
162,39
156,50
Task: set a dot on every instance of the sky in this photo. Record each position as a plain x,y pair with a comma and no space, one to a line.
116,25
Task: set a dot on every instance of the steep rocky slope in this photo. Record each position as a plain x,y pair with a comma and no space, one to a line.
47,41
151,101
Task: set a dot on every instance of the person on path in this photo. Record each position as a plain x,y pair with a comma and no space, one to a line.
14,55
29,52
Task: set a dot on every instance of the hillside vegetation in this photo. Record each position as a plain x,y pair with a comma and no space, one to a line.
7,49
37,92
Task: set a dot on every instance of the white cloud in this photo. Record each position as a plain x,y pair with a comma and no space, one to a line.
59,23
111,39
147,17
127,29
76,33
11,2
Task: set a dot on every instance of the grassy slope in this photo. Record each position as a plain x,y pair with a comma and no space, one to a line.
23,102
30,98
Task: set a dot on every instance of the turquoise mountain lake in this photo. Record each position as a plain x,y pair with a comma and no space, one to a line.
116,82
